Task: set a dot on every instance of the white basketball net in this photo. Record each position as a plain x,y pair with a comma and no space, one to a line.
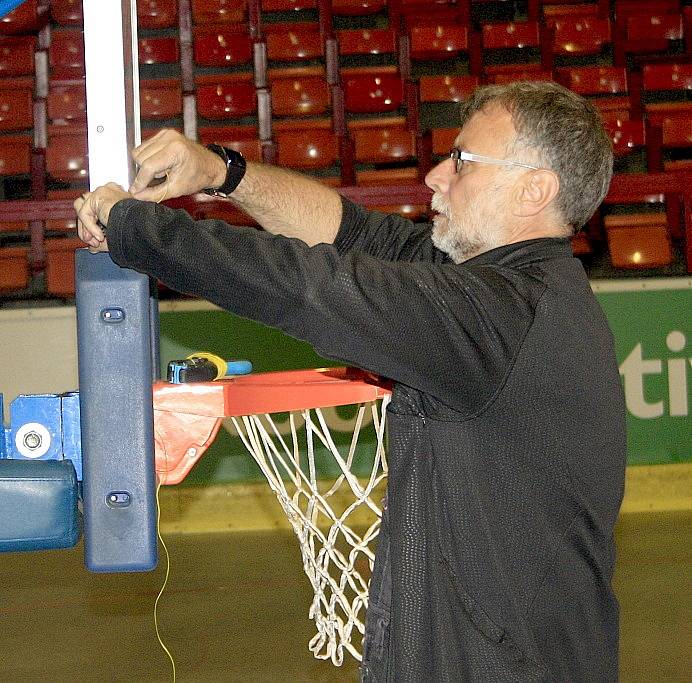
336,521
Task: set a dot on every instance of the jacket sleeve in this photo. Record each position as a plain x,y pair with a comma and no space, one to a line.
385,235
445,329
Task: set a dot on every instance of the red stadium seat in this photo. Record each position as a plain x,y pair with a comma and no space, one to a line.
371,90
158,51
14,268
554,8
222,45
357,8
366,41
160,99
503,43
287,5
205,12
60,269
520,75
67,12
669,128
638,240
67,154
606,86
657,27
667,76
17,56
299,92
576,36
14,226
447,88
438,41
155,14
63,225
293,42
67,102
443,140
423,6
16,107
391,176
380,141
29,17
627,135
511,35
15,155
226,97
66,54
243,139
628,8
581,245
307,147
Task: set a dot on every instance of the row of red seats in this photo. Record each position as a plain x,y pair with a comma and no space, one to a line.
306,94
633,240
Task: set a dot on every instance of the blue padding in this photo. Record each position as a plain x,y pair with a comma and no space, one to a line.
114,340
38,505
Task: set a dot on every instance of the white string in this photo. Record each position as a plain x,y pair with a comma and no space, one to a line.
336,558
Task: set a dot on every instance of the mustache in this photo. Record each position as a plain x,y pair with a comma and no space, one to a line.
440,204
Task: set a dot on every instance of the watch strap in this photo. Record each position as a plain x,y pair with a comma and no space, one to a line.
235,170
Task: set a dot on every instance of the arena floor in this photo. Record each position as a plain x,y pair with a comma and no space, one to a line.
236,610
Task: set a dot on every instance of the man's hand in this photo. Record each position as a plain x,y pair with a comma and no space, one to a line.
187,167
93,210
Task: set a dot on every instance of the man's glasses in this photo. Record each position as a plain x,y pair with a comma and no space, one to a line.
459,157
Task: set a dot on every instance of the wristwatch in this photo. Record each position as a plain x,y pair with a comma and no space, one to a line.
235,170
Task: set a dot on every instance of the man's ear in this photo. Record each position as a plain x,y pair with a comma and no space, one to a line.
535,192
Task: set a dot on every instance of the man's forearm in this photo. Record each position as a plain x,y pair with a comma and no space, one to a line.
288,203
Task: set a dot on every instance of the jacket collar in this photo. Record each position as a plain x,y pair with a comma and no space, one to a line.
525,253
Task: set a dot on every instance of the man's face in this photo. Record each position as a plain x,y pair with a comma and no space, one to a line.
472,205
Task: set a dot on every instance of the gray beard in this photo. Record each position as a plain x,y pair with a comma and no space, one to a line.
458,246
463,242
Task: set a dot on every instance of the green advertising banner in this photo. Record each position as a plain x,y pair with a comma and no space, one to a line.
652,324
649,318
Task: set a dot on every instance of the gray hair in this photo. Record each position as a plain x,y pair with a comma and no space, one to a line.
565,134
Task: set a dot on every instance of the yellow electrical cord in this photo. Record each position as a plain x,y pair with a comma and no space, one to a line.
168,568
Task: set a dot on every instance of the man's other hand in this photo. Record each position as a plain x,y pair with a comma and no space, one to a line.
186,166
93,210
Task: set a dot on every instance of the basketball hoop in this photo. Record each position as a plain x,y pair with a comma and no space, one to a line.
282,419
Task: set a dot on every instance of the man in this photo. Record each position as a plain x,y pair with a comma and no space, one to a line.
506,425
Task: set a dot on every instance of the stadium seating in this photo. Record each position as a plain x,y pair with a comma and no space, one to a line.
17,56
299,91
222,46
354,92
226,97
638,240
16,106
14,269
157,14
28,17
158,51
294,42
206,12
67,12
372,90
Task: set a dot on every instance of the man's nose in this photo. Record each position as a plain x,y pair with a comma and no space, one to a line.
439,177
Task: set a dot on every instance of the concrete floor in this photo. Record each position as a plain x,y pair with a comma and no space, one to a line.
236,610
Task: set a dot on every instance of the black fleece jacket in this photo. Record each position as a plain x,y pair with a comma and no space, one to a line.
507,437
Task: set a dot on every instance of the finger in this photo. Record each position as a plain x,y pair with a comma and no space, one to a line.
160,163
143,148
88,215
87,237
